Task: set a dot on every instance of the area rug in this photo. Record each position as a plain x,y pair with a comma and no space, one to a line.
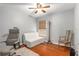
25,52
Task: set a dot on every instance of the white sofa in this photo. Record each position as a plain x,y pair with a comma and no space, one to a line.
32,39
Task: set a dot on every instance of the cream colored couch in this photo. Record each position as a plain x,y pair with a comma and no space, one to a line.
32,39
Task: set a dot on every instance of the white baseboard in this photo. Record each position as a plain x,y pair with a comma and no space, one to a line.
60,44
55,43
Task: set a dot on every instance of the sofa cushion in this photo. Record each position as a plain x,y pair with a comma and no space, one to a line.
33,35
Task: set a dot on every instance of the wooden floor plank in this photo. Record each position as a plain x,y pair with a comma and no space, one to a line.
51,50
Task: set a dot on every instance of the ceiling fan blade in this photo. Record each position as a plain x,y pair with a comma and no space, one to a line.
46,7
32,8
36,11
38,5
43,11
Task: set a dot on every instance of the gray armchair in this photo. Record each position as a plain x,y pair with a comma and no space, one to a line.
7,46
13,36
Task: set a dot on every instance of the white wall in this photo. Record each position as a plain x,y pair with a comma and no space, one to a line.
60,22
77,28
12,16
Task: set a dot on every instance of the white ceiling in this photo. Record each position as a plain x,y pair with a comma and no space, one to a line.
54,8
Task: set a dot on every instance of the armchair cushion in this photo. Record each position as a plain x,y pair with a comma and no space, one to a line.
11,41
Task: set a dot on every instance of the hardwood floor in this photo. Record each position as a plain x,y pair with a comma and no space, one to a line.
51,50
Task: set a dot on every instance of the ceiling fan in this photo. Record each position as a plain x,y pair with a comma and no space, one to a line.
41,7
